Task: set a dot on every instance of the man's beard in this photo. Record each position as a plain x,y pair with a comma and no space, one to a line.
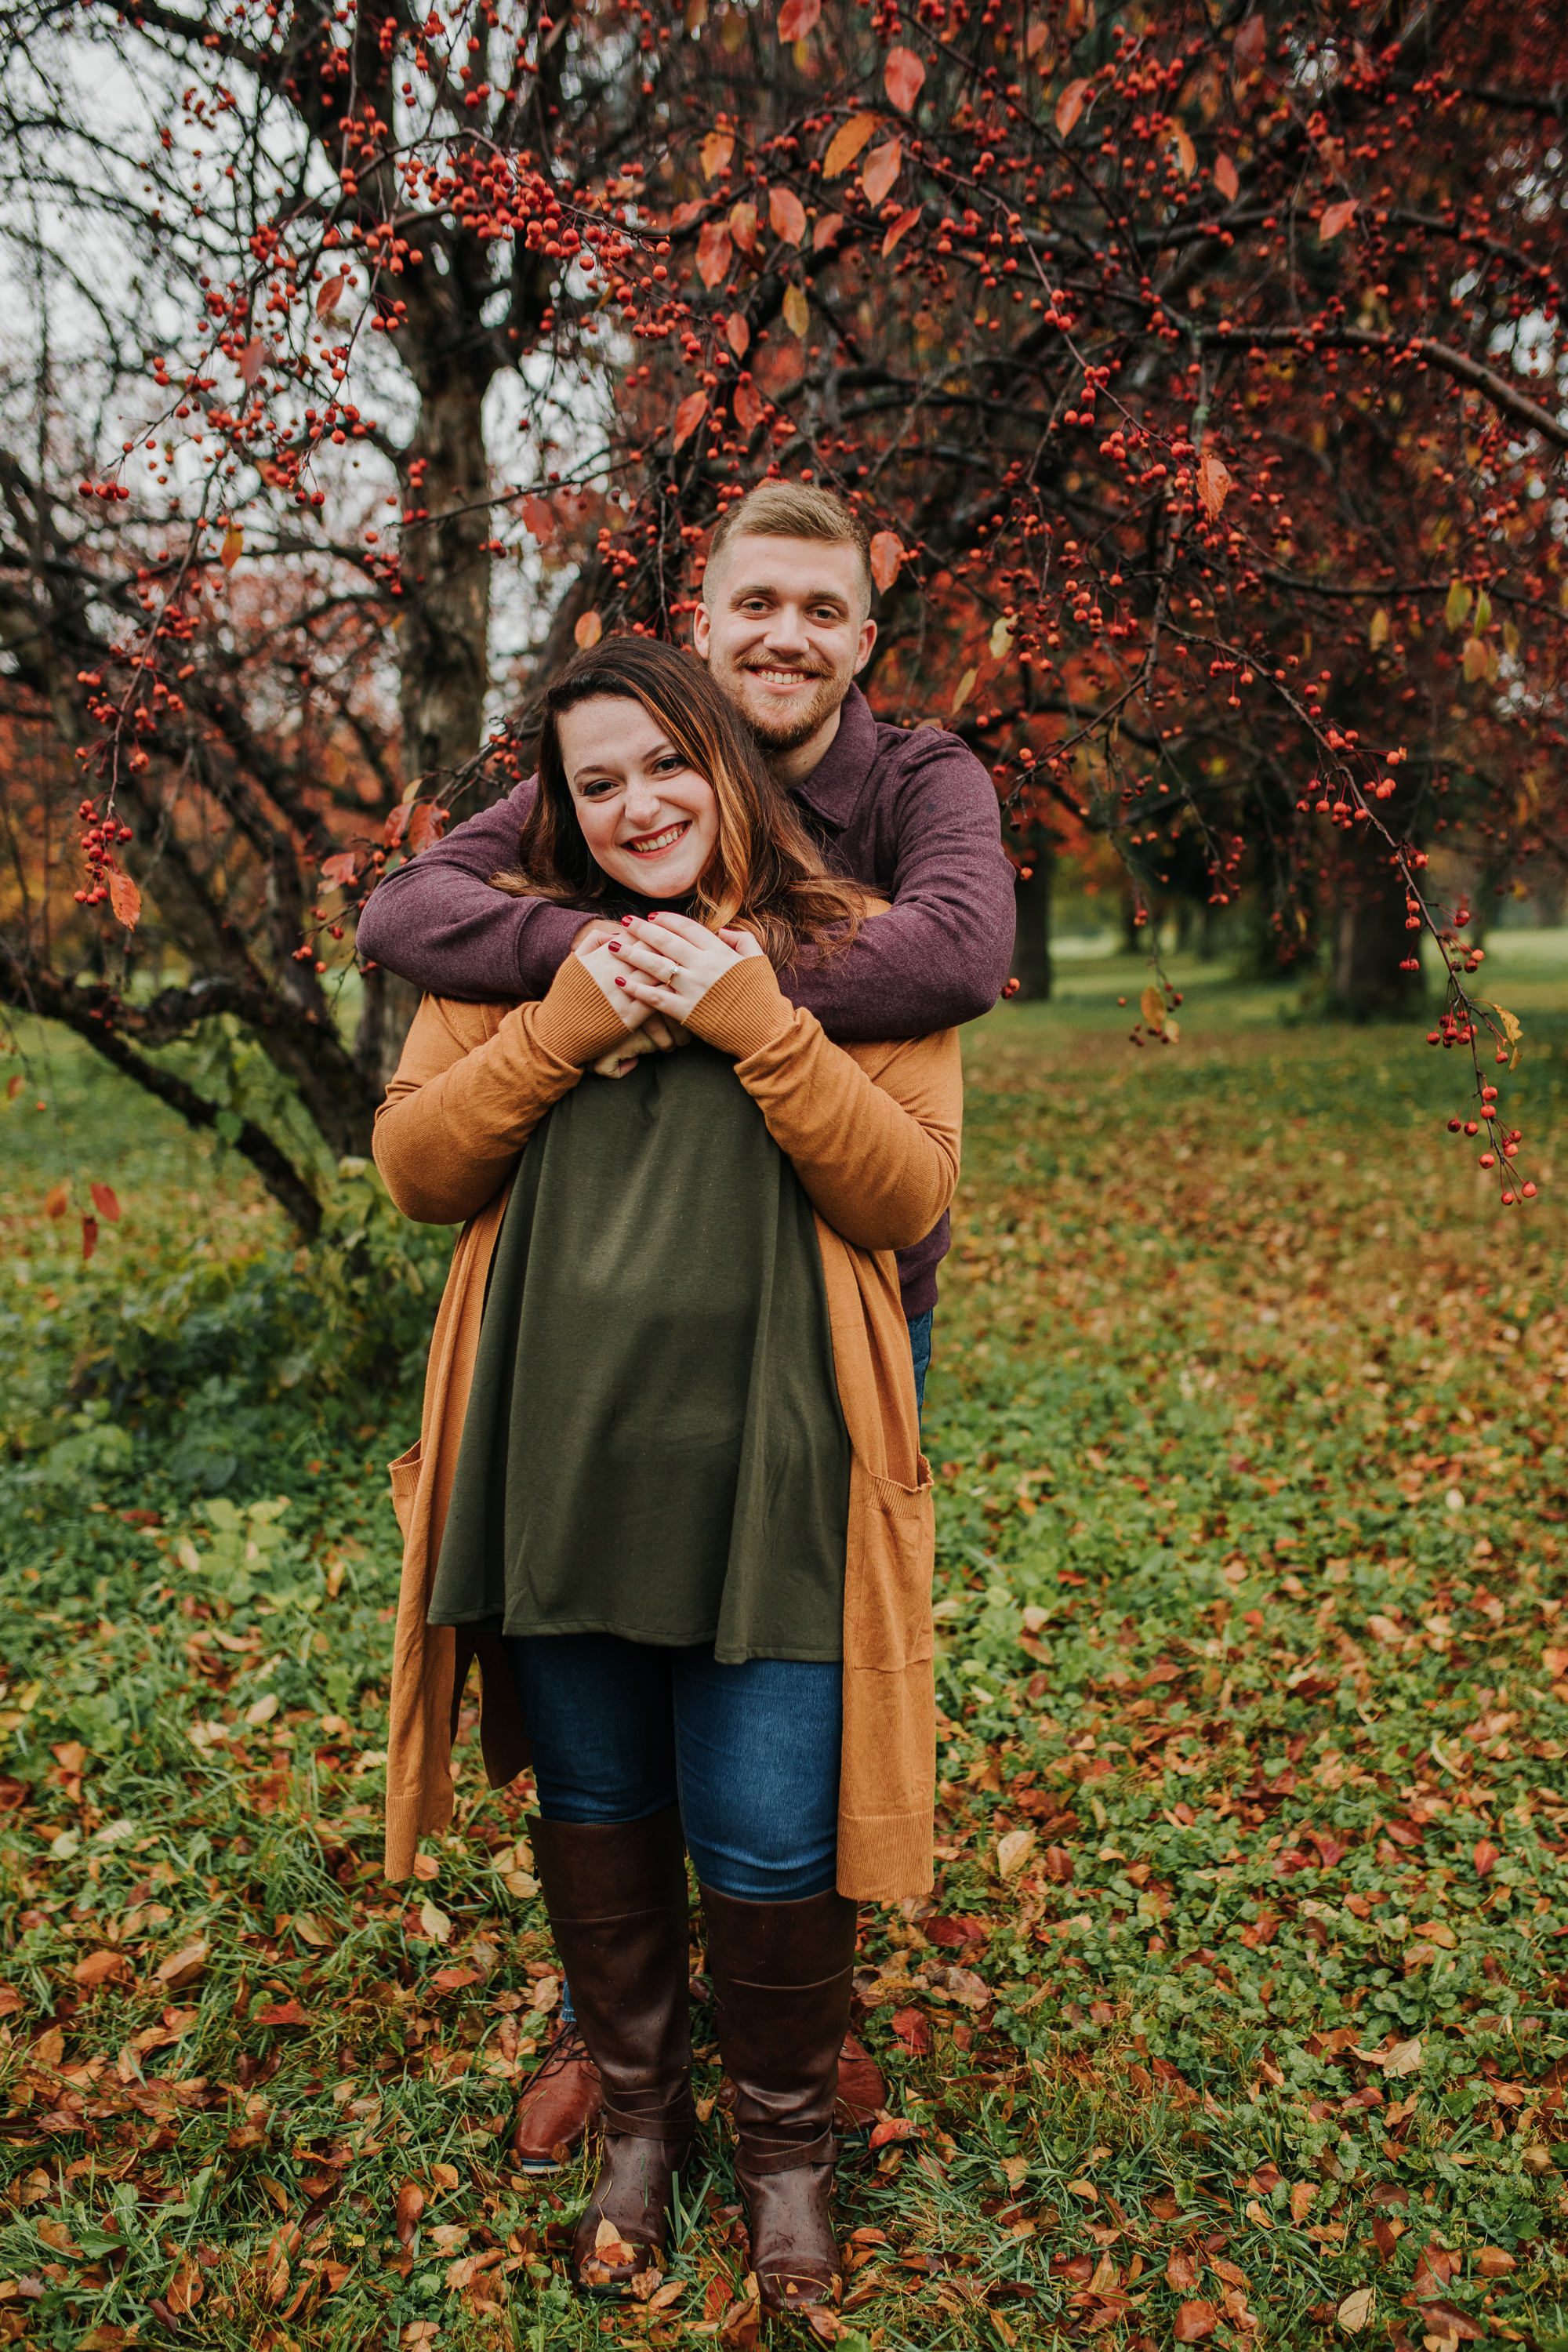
786,731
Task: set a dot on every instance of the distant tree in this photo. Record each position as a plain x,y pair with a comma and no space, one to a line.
1199,375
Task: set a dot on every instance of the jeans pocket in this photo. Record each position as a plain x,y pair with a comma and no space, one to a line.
888,1571
405,1475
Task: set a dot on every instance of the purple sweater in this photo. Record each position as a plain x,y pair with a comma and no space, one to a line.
908,810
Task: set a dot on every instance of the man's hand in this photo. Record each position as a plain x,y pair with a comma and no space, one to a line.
658,1035
601,928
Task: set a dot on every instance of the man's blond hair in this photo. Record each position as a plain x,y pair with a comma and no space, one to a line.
791,510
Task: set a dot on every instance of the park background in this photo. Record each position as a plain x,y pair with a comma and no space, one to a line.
1199,378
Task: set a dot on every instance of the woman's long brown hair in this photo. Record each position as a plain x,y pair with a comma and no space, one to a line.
765,873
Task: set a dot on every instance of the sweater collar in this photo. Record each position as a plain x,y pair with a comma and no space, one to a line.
835,785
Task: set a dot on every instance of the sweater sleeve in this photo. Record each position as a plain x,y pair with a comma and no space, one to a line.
877,1153
463,1104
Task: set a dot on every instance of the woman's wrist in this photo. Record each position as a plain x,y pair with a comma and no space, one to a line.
743,1011
578,1021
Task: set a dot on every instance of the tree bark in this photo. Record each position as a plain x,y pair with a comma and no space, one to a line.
1370,939
444,631
1031,900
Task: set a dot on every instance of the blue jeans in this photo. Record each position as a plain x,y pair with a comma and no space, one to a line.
919,1349
621,1729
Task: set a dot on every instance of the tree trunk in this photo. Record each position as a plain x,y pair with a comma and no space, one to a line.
1370,939
444,632
1032,903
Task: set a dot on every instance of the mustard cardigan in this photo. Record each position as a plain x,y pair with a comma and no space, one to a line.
873,1133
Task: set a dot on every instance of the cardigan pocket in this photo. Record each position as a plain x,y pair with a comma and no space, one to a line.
890,1559
405,1475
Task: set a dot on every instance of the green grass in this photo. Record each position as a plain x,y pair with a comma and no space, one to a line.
1245,1983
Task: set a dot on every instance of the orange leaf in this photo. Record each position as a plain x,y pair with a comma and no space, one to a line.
1070,105
12,1085
539,520
250,359
233,547
106,1201
1214,483
1337,219
97,1968
588,631
410,2205
827,229
886,555
1195,2321
743,226
797,19
57,1200
737,334
717,150
714,252
280,2012
1186,154
903,77
688,416
327,300
786,215
426,822
893,2128
881,170
846,144
1226,178
900,227
749,410
339,871
125,898
1487,1856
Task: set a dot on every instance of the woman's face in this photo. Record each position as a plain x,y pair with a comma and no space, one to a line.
647,817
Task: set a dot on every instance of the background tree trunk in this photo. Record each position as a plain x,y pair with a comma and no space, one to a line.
1032,902
1370,941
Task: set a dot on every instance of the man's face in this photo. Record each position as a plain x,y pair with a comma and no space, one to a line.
783,628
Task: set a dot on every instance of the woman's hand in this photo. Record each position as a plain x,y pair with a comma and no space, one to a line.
600,958
670,964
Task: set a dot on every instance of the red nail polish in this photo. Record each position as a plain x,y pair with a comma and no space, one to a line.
626,922
619,982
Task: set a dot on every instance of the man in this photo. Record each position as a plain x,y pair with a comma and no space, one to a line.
786,627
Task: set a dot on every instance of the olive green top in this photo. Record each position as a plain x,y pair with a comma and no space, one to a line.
653,1445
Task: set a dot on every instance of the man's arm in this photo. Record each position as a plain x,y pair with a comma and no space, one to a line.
437,922
940,955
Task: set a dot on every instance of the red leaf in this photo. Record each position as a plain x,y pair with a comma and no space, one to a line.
280,2012
743,226
737,334
913,2031
827,229
894,2127
688,416
714,252
396,825
749,410
1214,483
539,520
426,822
410,2205
903,77
1487,1855
900,227
1195,2321
1336,219
1249,42
797,19
105,1201
327,300
1059,1865
881,170
125,898
1070,105
786,215
250,359
886,555
453,1979
339,871
1225,179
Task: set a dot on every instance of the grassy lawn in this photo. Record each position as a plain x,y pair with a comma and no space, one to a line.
1239,2011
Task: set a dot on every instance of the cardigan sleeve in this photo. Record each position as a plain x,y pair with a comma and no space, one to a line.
876,1151
463,1102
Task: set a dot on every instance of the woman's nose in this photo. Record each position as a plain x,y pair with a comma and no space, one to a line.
642,802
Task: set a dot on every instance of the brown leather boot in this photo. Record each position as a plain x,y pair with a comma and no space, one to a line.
782,1974
562,2100
616,1892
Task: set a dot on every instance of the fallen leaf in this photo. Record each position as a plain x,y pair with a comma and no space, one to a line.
1194,2321
903,77
262,1710
892,2127
846,144
1356,2310
1301,2197
1012,1852
913,2031
1486,1857
433,1921
406,2213
97,1968
280,2012
184,1967
1404,2058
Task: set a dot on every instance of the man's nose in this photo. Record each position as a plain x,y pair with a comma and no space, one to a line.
786,631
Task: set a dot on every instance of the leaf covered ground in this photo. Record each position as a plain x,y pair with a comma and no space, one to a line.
1239,2011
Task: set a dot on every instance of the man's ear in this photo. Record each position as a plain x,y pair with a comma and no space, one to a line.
701,625
863,650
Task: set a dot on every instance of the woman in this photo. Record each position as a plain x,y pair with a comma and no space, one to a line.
669,1486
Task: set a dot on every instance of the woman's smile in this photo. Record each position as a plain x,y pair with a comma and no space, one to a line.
653,844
